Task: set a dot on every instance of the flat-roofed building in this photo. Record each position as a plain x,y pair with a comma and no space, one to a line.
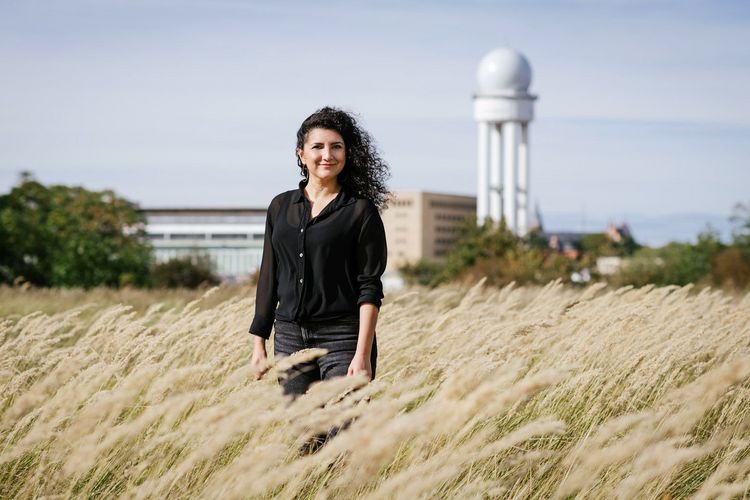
424,225
231,237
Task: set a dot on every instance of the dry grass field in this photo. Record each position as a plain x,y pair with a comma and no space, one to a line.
481,393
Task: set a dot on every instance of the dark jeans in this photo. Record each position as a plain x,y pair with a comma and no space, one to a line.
338,337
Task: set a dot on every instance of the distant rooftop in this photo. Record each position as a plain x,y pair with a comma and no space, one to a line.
201,211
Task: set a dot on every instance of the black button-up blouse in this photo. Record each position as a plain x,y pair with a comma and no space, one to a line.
318,268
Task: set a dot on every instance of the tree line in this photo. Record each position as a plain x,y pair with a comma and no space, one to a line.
63,236
493,251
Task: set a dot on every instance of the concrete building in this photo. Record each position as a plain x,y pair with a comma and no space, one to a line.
231,237
503,109
422,225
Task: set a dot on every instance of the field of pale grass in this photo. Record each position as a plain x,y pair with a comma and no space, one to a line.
481,393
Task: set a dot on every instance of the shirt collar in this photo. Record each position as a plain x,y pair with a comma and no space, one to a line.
343,198
300,196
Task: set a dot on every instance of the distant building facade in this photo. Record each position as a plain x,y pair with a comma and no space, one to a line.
424,225
231,237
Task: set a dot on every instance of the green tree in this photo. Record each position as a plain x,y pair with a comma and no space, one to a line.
25,238
69,236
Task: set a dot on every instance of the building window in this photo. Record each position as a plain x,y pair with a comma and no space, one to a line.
445,241
187,236
204,219
229,236
453,217
401,203
452,204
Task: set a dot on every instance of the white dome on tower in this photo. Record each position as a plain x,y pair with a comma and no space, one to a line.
504,70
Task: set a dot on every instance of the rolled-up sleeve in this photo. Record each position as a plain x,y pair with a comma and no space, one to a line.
266,296
372,253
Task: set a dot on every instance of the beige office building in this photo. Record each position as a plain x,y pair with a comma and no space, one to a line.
422,225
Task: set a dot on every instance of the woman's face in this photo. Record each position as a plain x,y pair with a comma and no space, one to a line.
324,153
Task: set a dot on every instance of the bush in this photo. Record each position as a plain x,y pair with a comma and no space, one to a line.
672,264
645,267
731,268
478,243
475,243
184,272
422,272
495,253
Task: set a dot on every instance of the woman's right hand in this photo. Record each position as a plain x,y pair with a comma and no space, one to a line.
259,360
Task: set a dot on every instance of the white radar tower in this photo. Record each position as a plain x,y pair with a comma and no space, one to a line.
503,109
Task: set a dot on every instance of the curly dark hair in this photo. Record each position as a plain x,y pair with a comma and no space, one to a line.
365,172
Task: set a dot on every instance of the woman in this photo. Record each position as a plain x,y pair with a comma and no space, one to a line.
323,255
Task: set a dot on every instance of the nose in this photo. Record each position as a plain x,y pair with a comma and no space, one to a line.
327,153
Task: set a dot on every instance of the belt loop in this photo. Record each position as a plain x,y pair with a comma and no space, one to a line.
305,334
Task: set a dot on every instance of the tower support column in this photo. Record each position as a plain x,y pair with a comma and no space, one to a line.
496,180
523,181
510,165
483,168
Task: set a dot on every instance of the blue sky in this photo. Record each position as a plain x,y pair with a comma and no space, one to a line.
643,107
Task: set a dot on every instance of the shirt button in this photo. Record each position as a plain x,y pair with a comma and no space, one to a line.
302,230
300,254
300,280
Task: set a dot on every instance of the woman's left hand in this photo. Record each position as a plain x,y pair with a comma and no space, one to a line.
360,364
